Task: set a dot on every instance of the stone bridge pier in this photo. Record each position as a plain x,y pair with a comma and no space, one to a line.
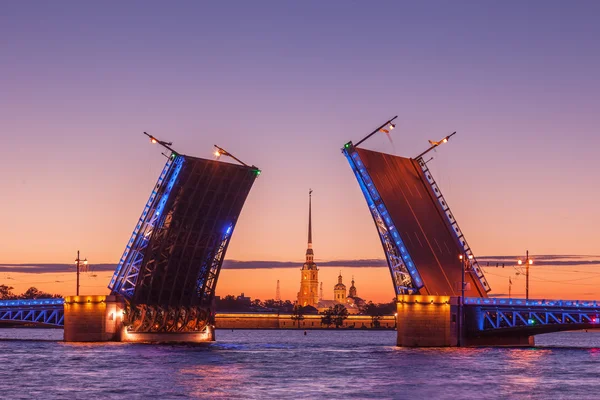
435,321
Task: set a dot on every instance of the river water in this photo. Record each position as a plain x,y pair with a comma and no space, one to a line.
34,363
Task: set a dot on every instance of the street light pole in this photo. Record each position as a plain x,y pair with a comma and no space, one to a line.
462,298
528,262
78,260
463,265
527,276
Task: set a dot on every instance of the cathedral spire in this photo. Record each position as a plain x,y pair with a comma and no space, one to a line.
309,251
310,218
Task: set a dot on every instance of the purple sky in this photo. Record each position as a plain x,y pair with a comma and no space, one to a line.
283,85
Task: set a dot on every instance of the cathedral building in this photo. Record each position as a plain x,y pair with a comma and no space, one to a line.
309,274
351,301
309,281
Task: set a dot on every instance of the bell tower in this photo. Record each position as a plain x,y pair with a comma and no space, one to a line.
309,273
352,290
339,291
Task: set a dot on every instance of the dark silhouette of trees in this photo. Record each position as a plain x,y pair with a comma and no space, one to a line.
327,318
340,313
35,293
297,314
6,292
231,303
334,316
375,312
31,293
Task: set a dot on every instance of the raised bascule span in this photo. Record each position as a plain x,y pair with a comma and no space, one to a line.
164,285
442,293
168,272
419,234
169,269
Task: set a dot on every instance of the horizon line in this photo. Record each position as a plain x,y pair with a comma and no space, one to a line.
540,260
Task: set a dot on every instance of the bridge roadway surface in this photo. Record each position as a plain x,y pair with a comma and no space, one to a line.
423,228
482,315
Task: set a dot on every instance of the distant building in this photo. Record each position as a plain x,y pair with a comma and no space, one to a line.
352,302
309,295
243,299
309,273
352,291
339,291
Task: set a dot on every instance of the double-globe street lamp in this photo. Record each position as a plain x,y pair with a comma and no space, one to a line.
463,259
79,262
528,261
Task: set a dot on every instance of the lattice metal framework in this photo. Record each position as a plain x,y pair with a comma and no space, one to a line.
40,311
405,277
502,314
125,277
462,242
171,266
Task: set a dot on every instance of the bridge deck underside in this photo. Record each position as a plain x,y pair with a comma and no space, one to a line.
418,218
202,210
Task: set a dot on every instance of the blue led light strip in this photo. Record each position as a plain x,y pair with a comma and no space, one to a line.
209,271
34,302
140,223
125,276
404,273
450,218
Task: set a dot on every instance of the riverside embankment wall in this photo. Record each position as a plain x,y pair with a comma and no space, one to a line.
285,321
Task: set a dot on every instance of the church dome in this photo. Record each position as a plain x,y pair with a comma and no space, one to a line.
339,285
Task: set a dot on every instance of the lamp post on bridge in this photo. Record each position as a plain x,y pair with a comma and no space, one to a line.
528,261
79,261
463,260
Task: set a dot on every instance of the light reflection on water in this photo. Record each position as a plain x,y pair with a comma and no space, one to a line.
287,364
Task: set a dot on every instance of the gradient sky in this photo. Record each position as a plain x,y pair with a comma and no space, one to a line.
283,85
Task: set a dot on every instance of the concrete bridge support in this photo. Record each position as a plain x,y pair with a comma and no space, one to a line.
434,321
100,319
427,321
93,318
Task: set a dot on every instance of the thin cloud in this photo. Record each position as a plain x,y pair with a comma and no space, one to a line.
539,260
367,263
51,268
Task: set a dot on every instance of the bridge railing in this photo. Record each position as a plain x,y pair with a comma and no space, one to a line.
491,301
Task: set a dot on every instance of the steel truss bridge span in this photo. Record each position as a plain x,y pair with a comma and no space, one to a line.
507,316
42,312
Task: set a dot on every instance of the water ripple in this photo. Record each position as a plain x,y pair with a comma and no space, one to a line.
287,364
